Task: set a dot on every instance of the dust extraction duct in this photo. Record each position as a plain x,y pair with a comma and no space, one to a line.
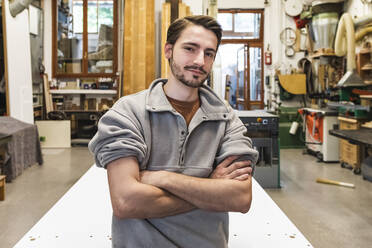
17,6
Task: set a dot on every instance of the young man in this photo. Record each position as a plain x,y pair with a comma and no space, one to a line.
177,159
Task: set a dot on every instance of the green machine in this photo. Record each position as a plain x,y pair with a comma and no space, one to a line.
288,115
349,104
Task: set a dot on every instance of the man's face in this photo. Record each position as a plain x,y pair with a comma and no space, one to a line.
191,57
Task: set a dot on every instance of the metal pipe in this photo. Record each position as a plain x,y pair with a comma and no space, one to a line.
345,44
345,36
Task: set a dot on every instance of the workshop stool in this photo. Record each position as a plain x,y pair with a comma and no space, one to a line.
2,187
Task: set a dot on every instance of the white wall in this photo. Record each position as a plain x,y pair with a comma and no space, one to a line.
48,38
19,65
242,4
357,9
196,6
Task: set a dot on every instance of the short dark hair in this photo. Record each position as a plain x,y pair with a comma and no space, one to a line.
176,28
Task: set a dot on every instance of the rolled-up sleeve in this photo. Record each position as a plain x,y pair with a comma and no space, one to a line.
235,142
118,136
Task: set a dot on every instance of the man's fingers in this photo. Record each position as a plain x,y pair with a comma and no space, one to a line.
227,161
242,177
241,171
237,165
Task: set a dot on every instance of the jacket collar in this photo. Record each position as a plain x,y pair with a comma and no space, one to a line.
211,105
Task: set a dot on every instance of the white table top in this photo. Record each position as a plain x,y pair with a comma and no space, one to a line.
82,218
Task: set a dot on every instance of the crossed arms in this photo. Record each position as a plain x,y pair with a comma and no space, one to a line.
156,194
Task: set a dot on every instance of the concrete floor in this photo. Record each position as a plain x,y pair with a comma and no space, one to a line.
37,189
329,216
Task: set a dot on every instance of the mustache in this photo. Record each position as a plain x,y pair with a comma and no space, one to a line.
193,67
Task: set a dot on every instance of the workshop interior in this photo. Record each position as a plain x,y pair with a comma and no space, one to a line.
298,74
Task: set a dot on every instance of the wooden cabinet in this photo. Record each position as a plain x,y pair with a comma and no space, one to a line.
84,38
364,65
349,153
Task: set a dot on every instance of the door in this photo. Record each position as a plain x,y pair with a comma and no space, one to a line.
241,53
242,73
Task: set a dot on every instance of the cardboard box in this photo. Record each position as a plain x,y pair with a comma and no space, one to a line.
73,67
55,134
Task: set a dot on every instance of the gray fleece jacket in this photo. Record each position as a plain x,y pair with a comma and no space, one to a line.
146,126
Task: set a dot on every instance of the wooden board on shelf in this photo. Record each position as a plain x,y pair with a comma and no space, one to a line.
165,22
323,52
366,96
84,91
47,95
367,124
365,50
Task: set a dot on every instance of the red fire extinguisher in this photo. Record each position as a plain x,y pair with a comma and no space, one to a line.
268,56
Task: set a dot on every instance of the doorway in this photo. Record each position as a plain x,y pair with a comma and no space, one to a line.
241,52
242,74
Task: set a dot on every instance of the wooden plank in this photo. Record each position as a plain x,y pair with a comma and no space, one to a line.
188,11
47,96
127,46
150,43
347,119
165,22
139,46
182,10
366,96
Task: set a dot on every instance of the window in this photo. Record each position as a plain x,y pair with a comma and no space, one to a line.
241,50
84,38
240,25
99,12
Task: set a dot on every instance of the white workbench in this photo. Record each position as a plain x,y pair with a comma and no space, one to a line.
82,218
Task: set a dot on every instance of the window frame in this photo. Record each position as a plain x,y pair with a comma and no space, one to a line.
233,33
84,73
247,103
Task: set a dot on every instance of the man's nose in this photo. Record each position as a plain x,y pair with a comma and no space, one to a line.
199,58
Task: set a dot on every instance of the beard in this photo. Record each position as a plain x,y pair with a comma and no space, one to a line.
196,82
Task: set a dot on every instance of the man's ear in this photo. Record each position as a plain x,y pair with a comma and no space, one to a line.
168,49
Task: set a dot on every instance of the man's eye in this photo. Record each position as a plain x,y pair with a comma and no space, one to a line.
211,55
189,49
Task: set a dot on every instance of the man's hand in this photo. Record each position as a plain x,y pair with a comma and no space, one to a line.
228,169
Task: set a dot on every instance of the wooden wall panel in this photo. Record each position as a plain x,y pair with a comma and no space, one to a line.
182,10
165,22
150,43
139,48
